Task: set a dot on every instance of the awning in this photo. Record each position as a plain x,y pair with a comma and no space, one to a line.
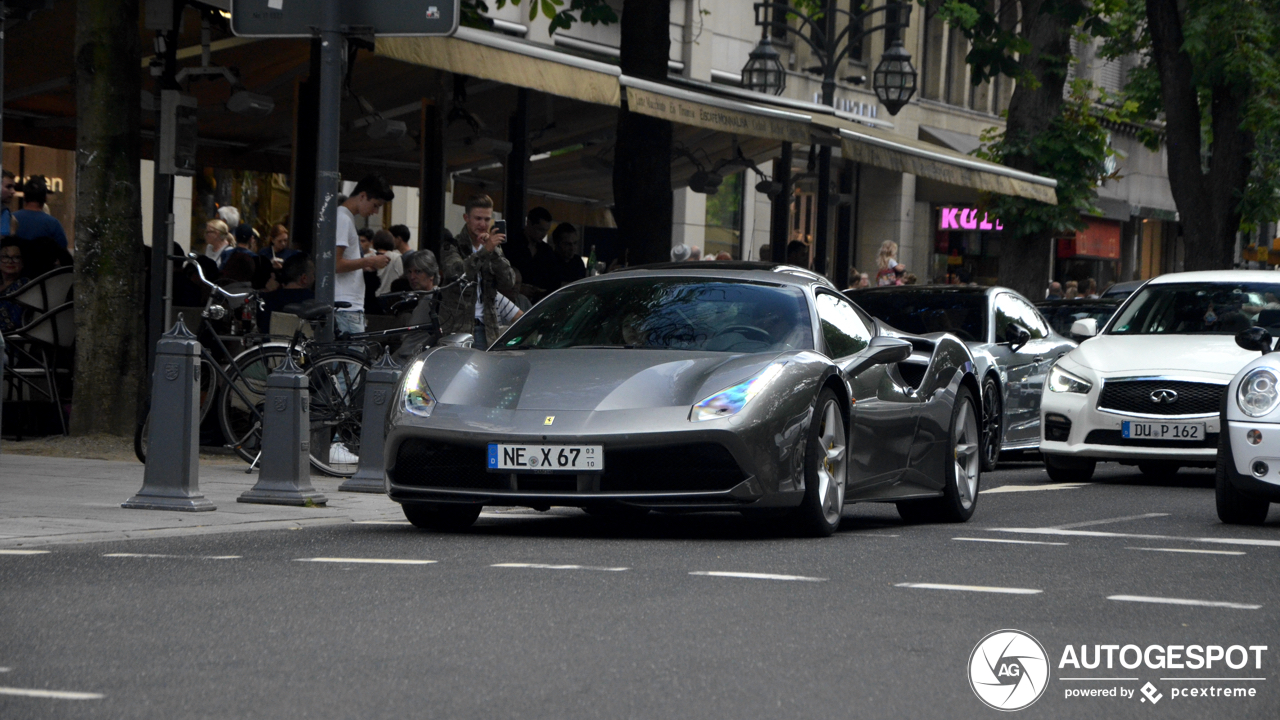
509,61
916,157
713,113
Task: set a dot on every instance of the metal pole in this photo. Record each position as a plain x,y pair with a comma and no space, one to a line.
780,221
824,152
3,12
431,210
328,177
517,170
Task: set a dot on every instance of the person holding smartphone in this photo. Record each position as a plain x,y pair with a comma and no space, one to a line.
476,254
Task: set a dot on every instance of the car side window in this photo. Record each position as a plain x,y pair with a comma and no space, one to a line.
843,328
1005,313
1031,319
1011,308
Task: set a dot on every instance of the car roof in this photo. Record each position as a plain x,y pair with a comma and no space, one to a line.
775,273
1078,302
956,289
1218,276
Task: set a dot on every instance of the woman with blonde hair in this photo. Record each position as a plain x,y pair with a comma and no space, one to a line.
887,259
216,239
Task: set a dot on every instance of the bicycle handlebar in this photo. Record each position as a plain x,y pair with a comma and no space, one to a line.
192,258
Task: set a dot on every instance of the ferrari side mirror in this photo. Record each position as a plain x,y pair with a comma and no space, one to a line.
881,350
462,340
1018,336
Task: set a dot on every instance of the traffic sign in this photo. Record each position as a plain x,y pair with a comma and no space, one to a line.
301,18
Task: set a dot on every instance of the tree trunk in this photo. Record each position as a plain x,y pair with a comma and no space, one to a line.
642,151
1024,259
1208,204
110,359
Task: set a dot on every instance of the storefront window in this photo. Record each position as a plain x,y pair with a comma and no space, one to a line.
724,219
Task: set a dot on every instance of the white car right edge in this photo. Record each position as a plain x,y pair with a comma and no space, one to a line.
1148,389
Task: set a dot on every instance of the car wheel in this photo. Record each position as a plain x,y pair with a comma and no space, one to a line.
963,471
825,470
1234,507
1159,468
441,516
992,424
1065,469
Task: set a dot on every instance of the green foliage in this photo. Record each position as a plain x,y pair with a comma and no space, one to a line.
595,12
1073,150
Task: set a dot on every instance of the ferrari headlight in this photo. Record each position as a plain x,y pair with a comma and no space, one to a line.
417,396
1257,394
1062,381
731,400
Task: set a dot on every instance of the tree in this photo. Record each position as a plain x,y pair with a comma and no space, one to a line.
561,17
110,358
1030,41
642,203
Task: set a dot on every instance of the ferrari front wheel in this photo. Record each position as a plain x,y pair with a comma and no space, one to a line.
963,471
825,470
444,517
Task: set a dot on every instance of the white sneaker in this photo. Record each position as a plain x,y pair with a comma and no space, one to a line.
340,455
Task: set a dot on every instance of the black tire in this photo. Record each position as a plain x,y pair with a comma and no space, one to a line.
1069,470
826,470
963,473
140,438
441,517
208,396
336,385
616,512
992,424
240,404
1156,469
1234,507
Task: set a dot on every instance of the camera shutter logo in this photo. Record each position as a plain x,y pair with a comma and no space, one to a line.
1008,670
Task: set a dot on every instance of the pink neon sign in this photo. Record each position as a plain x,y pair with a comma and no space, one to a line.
954,218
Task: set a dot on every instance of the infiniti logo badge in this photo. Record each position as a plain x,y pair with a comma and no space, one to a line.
1164,397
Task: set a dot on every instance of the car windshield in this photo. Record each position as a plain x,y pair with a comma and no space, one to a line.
963,314
1200,309
669,314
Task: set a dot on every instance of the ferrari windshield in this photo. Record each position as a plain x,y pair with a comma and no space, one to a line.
1200,309
667,313
922,312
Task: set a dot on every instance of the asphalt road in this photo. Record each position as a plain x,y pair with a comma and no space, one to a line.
560,615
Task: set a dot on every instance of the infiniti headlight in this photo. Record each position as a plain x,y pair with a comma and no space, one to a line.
417,399
731,400
1257,393
1062,381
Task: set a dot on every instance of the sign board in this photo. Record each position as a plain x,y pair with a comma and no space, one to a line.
963,218
301,18
178,137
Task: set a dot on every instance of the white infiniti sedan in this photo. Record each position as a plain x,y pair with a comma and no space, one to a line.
1147,390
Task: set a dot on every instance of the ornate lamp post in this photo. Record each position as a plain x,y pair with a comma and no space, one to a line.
894,79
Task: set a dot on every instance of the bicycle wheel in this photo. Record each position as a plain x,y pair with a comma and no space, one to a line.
336,384
208,394
240,403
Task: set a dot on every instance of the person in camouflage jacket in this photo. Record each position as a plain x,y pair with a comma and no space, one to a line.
476,255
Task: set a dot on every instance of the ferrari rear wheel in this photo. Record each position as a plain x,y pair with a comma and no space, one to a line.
825,470
992,424
443,517
963,472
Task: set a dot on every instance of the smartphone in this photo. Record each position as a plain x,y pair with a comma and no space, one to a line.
499,227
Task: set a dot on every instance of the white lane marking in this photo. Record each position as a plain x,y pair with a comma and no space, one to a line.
52,694
971,588
1011,542
1182,601
1135,536
5,669
1031,488
1108,521
1183,550
542,566
756,576
381,522
182,557
1190,679
24,552
370,561
1098,678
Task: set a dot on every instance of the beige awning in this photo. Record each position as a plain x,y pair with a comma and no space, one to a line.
502,59
714,113
916,157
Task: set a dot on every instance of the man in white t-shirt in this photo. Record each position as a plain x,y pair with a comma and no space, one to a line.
368,197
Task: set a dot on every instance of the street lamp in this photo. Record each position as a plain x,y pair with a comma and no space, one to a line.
763,71
894,79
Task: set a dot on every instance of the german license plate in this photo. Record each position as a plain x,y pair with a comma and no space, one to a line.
1189,432
546,458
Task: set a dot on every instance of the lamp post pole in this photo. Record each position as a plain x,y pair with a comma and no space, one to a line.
328,177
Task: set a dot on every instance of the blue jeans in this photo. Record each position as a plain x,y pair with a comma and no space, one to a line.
348,321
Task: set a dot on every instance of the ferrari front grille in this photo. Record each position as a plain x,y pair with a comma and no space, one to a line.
426,464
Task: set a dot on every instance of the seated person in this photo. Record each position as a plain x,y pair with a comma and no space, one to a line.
298,274
422,272
12,279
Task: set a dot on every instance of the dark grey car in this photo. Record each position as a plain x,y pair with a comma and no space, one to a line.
685,387
1012,344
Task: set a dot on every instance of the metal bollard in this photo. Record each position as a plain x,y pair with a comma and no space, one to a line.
172,478
285,477
379,391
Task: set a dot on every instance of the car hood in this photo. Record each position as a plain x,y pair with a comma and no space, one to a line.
582,378
1156,354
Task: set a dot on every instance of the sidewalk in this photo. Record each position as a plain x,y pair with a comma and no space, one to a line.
56,500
